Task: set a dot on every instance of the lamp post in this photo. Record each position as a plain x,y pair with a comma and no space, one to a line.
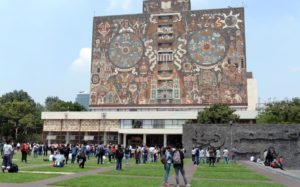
230,123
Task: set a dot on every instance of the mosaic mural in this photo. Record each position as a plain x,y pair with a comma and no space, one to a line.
175,57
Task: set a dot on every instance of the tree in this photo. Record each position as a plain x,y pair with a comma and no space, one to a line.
281,112
54,104
19,114
217,114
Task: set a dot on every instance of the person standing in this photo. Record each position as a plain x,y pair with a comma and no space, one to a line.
66,151
45,149
218,155
178,157
234,152
100,153
7,155
167,165
24,151
225,155
119,157
127,155
202,156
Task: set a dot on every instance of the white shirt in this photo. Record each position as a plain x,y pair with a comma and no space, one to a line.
218,153
193,151
7,149
201,153
225,153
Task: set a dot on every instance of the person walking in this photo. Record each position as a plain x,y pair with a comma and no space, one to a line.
167,165
178,157
7,155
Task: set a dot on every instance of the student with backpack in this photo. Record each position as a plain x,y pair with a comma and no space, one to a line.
24,151
100,151
119,157
178,157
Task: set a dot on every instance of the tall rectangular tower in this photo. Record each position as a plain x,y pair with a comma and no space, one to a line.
169,56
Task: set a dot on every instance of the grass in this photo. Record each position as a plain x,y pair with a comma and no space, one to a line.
204,183
150,169
230,175
23,177
38,164
110,181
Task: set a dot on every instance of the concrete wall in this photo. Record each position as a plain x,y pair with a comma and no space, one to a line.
249,139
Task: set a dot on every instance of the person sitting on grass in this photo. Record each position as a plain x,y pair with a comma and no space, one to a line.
59,160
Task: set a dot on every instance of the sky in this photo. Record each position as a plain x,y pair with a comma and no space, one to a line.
45,45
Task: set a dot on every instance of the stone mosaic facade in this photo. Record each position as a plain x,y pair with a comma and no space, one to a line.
250,140
81,125
169,55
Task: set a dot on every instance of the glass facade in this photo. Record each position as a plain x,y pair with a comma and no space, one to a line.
83,99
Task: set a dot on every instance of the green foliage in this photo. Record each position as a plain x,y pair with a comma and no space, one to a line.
54,104
217,114
20,116
281,112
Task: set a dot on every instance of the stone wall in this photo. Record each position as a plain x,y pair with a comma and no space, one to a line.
249,139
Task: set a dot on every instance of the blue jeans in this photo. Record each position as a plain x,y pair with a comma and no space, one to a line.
233,158
201,159
119,164
167,171
127,158
182,171
225,160
197,160
6,162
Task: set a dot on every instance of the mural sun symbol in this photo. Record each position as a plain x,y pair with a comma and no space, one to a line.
231,21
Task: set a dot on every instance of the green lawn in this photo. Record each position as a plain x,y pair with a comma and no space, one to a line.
110,181
150,169
231,175
23,177
205,183
38,164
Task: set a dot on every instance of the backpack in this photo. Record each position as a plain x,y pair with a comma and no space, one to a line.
176,158
25,147
101,151
163,159
120,154
14,168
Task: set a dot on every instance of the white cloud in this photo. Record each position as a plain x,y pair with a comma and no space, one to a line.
83,62
294,69
124,4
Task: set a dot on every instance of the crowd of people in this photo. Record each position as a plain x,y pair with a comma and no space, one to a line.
61,154
212,155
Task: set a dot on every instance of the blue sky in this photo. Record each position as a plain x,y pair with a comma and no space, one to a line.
45,44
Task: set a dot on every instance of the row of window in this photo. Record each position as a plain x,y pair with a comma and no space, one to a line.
152,124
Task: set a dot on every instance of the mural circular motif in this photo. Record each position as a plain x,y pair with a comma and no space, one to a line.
207,47
125,50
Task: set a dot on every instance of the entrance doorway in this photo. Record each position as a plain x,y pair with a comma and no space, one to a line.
173,140
155,140
134,140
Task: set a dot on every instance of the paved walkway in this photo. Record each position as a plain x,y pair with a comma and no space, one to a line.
286,177
189,168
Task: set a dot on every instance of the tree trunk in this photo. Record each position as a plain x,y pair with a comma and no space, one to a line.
16,131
